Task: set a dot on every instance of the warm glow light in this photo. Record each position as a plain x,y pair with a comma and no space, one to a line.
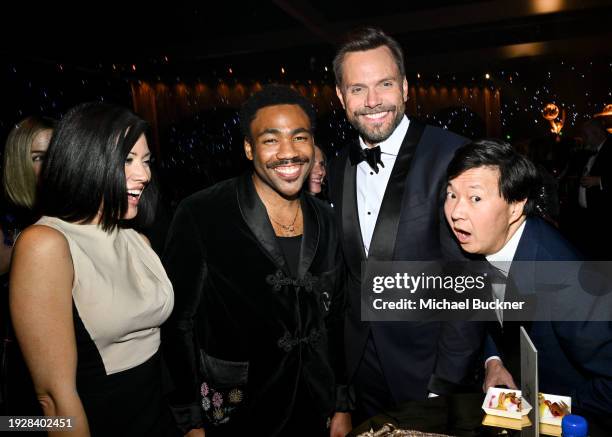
133,67
546,6
522,50
607,111
487,76
282,70
606,117
418,75
230,70
550,113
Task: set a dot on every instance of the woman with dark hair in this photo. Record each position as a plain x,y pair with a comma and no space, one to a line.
87,292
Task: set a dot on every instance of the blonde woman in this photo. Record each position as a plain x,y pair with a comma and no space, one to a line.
24,153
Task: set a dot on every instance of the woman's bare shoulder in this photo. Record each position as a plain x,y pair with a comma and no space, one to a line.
41,240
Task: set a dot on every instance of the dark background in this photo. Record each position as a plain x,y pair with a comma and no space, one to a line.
55,55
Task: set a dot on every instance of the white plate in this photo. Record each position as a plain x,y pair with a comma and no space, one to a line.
491,401
547,416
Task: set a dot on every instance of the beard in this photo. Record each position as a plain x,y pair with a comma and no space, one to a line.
376,134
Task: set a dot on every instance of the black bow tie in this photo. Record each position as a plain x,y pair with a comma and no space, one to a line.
369,154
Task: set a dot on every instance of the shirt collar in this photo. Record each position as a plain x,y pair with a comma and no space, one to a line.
391,145
507,252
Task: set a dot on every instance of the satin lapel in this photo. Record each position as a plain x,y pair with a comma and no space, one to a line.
351,231
256,218
385,231
310,238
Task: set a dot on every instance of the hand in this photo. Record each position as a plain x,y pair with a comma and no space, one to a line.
341,425
496,374
590,181
197,432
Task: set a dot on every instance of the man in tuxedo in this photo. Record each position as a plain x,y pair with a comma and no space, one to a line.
386,188
254,344
595,192
491,206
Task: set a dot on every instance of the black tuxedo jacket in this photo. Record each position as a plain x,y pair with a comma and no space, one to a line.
241,323
575,358
410,226
599,199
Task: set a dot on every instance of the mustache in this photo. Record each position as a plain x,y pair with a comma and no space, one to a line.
282,162
367,111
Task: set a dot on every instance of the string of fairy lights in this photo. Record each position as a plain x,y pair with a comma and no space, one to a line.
533,96
206,145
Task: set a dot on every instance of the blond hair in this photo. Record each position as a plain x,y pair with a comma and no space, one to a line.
18,177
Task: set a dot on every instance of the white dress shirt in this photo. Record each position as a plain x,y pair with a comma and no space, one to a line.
371,186
502,260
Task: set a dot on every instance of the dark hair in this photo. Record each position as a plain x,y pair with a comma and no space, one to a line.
271,95
595,122
518,179
367,38
85,167
593,132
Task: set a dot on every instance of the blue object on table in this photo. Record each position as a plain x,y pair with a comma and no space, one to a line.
573,425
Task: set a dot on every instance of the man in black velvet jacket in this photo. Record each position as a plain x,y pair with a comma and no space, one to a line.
255,341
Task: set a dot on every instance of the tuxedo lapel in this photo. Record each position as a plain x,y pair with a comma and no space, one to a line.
600,166
256,218
385,232
353,242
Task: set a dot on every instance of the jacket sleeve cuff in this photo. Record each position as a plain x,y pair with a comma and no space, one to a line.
345,398
187,417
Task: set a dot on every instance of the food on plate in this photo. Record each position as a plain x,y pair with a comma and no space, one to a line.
557,409
506,401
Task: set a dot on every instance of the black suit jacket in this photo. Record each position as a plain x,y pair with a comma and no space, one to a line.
575,358
599,199
241,323
410,226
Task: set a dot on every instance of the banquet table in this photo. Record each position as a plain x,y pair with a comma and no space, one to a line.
457,415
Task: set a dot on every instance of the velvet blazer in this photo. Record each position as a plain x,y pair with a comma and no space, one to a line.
244,332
